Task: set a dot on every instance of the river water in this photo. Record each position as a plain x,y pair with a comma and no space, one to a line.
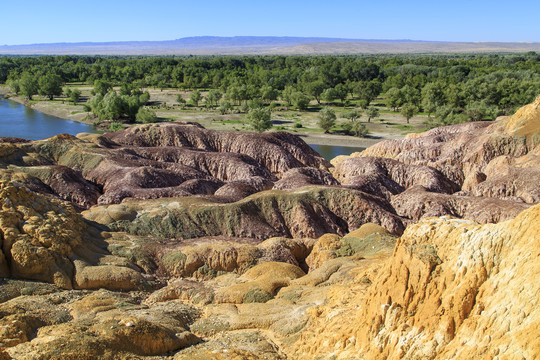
19,121
331,151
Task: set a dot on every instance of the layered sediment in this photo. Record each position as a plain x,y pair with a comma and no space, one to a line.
170,241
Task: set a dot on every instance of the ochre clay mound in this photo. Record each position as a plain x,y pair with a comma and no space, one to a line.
47,240
452,289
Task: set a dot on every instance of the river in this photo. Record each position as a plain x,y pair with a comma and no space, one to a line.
331,151
19,121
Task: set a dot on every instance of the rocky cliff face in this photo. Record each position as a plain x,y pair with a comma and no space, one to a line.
473,162
452,289
307,212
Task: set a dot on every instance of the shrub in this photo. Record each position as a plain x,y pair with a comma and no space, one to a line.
347,127
327,119
146,116
224,107
259,119
115,126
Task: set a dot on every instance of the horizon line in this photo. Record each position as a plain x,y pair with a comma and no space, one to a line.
338,39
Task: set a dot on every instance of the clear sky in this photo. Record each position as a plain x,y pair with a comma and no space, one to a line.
32,21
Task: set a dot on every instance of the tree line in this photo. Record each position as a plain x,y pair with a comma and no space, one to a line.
453,88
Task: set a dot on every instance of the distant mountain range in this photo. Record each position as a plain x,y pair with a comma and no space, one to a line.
261,45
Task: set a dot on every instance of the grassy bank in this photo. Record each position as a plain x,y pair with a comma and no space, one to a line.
303,123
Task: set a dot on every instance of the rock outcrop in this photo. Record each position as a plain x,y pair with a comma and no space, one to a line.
491,169
277,256
452,289
161,160
306,212
101,325
47,240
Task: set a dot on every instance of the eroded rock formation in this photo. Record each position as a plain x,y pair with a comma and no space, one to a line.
254,267
161,160
47,240
452,289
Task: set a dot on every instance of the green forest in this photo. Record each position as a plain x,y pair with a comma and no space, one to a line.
451,88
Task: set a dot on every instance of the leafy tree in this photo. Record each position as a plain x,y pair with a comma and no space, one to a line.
493,112
101,87
351,115
113,105
477,111
129,89
143,98
395,98
354,124
454,96
224,107
50,85
368,91
360,129
447,115
341,91
115,126
255,103
287,95
75,95
213,97
408,111
411,95
233,93
329,95
269,94
195,97
347,126
130,107
327,119
315,89
372,113
146,116
180,100
14,85
29,85
429,106
300,101
95,104
259,119
432,97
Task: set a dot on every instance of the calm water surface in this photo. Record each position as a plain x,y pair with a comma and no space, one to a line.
329,152
17,120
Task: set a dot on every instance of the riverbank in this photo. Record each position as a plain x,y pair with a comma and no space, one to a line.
164,103
19,121
4,90
340,140
77,112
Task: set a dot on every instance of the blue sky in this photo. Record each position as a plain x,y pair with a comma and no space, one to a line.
32,21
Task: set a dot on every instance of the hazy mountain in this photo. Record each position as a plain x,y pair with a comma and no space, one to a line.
209,45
